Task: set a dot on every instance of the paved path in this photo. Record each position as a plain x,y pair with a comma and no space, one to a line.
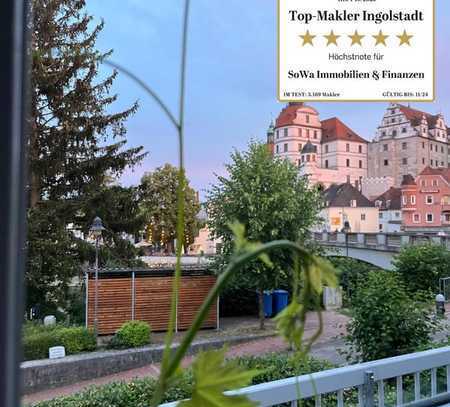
325,348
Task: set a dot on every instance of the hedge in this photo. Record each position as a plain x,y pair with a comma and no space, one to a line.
139,392
131,334
37,339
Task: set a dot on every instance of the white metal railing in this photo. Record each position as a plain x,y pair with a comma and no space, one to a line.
367,384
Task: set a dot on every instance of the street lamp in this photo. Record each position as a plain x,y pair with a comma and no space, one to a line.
346,229
96,230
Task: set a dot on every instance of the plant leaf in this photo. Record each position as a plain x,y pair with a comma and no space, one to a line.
213,376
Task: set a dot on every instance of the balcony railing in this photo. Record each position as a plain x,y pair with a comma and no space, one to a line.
369,384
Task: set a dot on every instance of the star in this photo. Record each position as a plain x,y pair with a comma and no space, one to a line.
308,38
356,38
380,38
405,38
332,38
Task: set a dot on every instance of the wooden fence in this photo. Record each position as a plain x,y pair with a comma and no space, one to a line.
144,295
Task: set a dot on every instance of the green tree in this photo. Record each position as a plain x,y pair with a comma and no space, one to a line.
158,197
387,319
422,266
271,200
76,145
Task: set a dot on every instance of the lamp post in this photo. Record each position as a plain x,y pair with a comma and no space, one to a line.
346,229
96,230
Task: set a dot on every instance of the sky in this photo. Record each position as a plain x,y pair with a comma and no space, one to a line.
231,79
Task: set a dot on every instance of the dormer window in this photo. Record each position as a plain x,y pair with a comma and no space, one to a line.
353,203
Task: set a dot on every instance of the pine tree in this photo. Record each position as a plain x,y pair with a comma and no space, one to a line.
71,122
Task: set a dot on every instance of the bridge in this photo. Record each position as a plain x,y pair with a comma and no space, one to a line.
378,249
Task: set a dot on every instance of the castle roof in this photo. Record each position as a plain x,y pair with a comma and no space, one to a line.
289,114
343,195
309,148
415,116
408,179
391,199
334,129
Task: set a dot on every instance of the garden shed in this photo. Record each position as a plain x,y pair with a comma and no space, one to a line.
145,295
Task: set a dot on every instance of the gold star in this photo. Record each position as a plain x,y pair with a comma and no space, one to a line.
405,38
308,38
380,38
356,38
332,38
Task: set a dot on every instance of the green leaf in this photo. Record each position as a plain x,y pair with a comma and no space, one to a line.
213,376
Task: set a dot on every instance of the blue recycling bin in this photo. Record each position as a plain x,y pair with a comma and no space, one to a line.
280,300
268,310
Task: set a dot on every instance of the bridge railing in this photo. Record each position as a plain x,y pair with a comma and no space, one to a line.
417,379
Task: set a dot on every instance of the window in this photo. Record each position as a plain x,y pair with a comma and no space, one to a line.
326,163
314,157
315,133
404,161
353,203
307,133
360,164
429,200
278,133
423,145
416,218
299,147
435,183
423,183
436,148
430,218
404,200
285,147
403,129
380,215
404,146
397,214
348,162
363,216
431,147
386,163
431,162
360,149
308,158
285,132
300,131
383,134
413,199
394,133
380,226
347,148
423,160
393,111
307,118
447,217
278,149
326,148
385,147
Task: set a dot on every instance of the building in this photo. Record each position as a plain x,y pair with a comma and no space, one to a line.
390,210
406,142
328,151
345,203
426,201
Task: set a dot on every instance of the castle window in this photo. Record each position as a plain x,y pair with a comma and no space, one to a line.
348,162
386,163
423,160
393,111
394,133
360,149
307,133
385,147
307,118
405,161
347,147
285,147
278,149
383,134
393,120
326,148
285,132
360,164
403,129
315,133
436,148
299,132
404,146
431,147
326,163
442,149
423,145
431,162
299,147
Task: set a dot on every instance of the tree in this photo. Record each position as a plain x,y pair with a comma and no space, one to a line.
76,145
158,194
422,266
387,319
268,197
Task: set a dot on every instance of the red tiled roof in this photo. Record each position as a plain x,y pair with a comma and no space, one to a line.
333,129
415,116
288,115
444,172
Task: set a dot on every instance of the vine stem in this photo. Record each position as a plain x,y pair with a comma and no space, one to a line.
202,313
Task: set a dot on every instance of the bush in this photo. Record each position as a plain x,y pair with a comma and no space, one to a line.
37,339
132,334
387,319
139,392
422,266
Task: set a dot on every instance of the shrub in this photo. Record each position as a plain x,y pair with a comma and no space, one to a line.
37,339
139,392
422,266
132,334
387,319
